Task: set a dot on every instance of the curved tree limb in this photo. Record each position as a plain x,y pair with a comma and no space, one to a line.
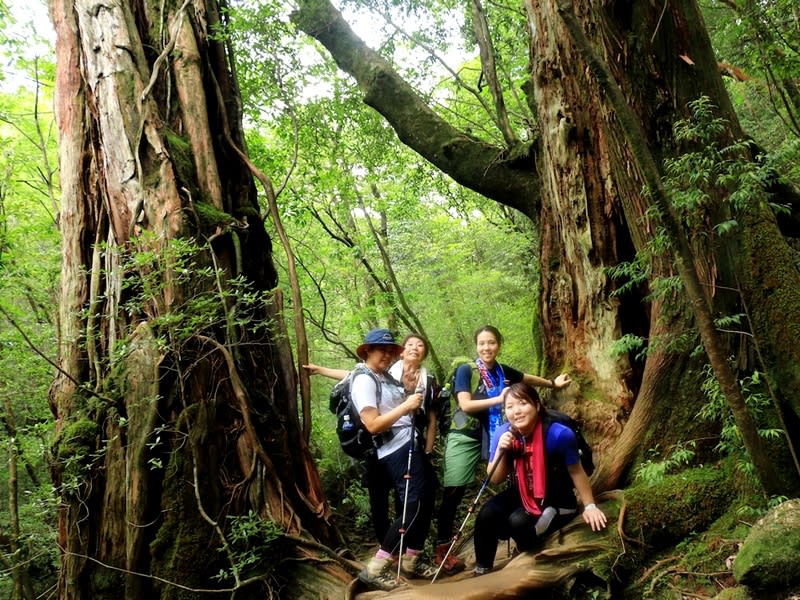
472,90
506,176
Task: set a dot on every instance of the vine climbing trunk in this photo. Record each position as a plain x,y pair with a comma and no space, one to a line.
179,457
684,257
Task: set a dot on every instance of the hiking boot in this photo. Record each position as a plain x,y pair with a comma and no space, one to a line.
378,573
414,567
452,564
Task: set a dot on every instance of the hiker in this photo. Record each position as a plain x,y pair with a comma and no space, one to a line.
543,463
473,424
413,374
390,419
410,371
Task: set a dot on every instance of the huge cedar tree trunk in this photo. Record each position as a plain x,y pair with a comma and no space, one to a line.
581,184
175,397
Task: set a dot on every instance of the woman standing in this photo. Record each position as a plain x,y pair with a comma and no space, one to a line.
412,374
541,497
387,413
478,387
411,371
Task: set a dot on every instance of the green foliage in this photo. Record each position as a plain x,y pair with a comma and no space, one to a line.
653,470
357,499
717,409
443,242
29,267
255,545
38,547
756,43
629,344
696,177
630,275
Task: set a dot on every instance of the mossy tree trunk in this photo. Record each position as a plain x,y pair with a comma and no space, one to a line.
598,215
580,183
175,398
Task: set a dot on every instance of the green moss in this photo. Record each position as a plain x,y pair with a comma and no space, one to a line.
521,152
77,439
708,550
211,217
186,417
590,393
181,154
107,583
248,212
734,593
75,449
764,564
672,509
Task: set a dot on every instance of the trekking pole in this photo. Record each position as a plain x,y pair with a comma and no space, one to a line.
407,477
469,512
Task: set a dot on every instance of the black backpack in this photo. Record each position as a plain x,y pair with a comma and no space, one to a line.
354,438
550,415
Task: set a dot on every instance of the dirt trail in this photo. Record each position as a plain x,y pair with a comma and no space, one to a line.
566,553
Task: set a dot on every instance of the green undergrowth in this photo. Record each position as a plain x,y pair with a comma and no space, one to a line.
700,564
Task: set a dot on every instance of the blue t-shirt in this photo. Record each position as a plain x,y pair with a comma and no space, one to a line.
463,379
561,451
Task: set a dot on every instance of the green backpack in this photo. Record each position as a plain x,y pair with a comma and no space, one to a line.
451,417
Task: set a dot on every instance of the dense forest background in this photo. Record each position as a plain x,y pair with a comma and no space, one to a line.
373,234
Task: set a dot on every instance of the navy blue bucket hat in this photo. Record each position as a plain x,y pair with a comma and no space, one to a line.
378,337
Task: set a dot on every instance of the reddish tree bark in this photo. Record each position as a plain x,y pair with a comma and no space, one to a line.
165,437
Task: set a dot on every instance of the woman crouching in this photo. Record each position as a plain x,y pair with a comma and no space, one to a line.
543,463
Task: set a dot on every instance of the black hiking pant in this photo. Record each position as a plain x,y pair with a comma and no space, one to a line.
503,517
421,495
451,500
379,487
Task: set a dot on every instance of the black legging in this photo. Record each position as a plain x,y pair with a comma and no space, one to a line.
451,500
503,517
